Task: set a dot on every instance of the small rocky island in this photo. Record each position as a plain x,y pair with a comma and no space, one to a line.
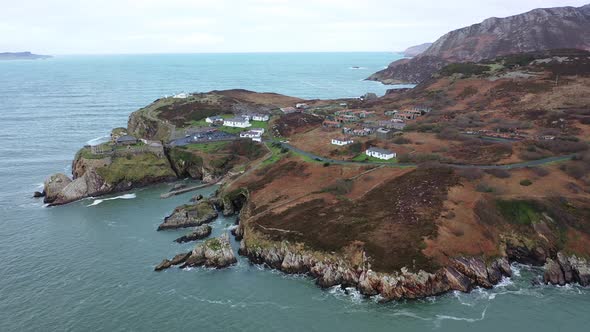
215,252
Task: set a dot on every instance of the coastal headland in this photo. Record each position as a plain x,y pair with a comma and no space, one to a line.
408,195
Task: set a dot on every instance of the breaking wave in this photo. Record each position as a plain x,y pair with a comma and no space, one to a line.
98,140
126,196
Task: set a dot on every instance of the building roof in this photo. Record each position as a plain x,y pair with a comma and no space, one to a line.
379,150
342,139
126,138
237,119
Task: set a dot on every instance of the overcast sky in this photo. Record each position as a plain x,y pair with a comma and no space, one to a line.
181,26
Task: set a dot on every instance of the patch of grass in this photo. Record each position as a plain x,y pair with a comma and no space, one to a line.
136,168
526,182
213,244
87,154
519,212
277,154
208,147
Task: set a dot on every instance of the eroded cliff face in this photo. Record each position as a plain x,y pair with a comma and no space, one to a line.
110,174
537,30
354,270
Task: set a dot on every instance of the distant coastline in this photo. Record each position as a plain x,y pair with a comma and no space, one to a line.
22,56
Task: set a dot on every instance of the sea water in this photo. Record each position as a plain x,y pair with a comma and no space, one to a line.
88,266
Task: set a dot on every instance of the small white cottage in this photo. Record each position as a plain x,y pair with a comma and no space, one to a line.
340,141
380,153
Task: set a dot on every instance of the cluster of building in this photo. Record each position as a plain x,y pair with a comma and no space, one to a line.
299,107
240,121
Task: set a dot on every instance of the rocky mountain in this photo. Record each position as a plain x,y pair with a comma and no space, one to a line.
22,56
537,30
416,50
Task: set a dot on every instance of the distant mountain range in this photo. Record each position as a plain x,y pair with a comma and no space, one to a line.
537,30
22,56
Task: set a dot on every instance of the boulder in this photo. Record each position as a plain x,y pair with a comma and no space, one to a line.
456,280
54,185
200,232
216,252
38,194
197,198
190,215
581,270
474,268
553,273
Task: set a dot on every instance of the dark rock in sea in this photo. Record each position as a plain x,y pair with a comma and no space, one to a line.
38,194
163,265
190,215
197,198
198,233
567,269
178,259
216,252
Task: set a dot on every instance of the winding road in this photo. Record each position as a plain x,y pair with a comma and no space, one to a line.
531,163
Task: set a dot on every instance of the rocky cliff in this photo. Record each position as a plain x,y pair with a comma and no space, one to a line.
354,270
95,175
216,252
416,50
539,29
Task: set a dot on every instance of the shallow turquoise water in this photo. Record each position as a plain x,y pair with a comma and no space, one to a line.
81,267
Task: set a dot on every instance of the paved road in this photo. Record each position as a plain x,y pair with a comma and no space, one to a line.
525,164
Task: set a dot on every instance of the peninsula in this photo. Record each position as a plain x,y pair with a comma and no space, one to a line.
22,56
413,194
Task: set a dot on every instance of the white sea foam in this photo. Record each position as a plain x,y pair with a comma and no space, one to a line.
126,196
465,319
504,282
98,140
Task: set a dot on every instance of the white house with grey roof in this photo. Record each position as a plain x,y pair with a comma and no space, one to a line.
238,122
380,153
260,117
214,119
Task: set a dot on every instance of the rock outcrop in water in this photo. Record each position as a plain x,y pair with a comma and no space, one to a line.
567,269
330,270
190,215
198,233
216,252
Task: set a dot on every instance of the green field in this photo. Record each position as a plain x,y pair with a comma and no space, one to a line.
208,147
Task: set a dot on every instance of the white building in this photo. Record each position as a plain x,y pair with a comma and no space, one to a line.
214,119
252,134
301,106
260,117
238,122
182,95
380,153
257,130
341,141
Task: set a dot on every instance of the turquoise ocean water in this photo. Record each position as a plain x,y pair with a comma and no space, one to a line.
88,266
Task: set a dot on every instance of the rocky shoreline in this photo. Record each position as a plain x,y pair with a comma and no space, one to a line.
190,215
